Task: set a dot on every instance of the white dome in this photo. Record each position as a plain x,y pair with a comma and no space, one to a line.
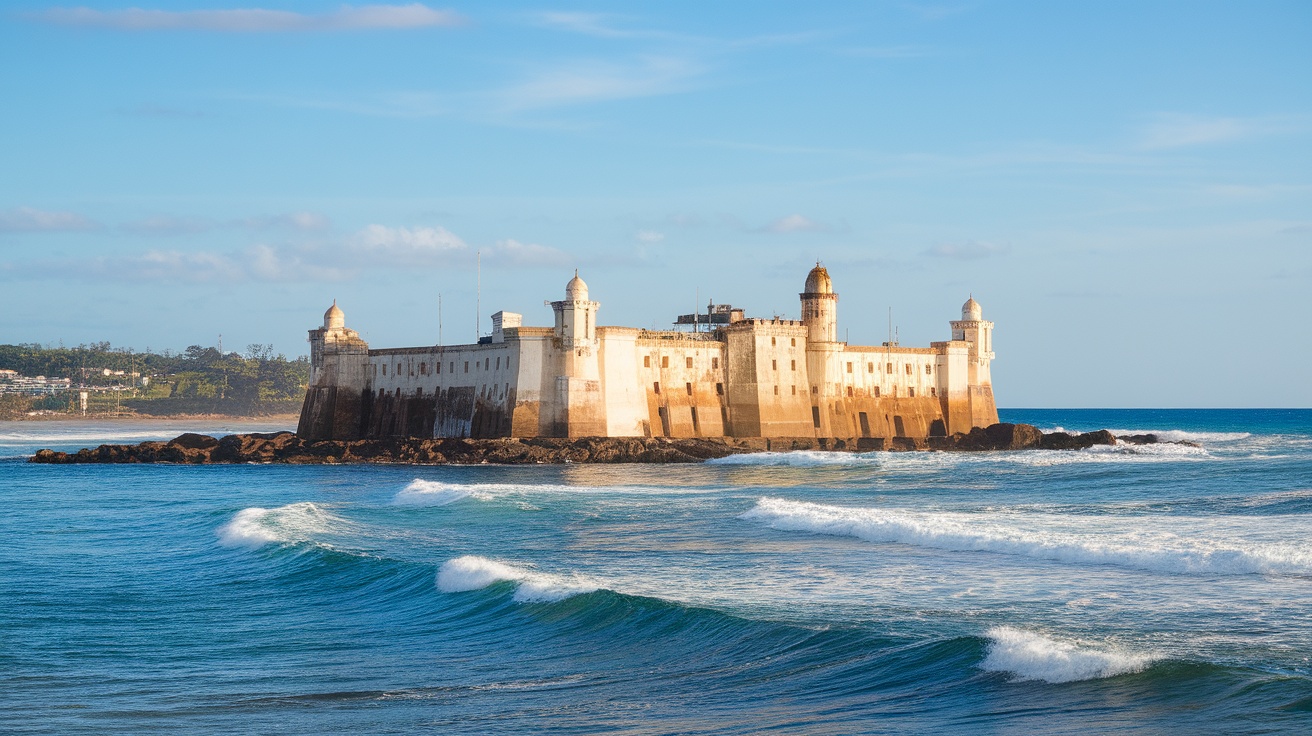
334,318
818,281
576,290
971,310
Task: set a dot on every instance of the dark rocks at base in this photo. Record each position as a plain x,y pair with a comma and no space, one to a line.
286,447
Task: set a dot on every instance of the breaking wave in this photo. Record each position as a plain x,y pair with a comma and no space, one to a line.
297,522
433,493
1032,656
472,572
1130,544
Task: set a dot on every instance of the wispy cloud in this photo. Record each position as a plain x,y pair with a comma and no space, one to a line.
1174,130
650,237
172,225
594,81
888,52
514,254
30,220
967,251
254,20
795,224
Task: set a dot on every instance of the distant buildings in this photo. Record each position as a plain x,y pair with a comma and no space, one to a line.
13,383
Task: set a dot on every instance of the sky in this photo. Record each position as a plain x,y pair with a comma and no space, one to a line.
1126,187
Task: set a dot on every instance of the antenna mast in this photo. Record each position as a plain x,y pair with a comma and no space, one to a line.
478,297
439,319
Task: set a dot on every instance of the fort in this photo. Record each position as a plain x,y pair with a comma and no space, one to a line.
740,377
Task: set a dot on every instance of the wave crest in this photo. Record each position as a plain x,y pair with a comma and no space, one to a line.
1031,656
433,493
472,572
1047,537
256,527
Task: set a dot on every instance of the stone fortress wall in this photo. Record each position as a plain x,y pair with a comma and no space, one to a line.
745,378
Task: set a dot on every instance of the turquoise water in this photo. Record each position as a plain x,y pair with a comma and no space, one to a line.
1150,589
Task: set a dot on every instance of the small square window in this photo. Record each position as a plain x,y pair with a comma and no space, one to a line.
870,367
929,369
933,391
772,342
687,362
794,342
876,392
794,390
646,361
665,361
911,392
776,390
815,390
715,363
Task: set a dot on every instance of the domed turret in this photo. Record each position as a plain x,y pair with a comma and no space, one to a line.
818,281
334,318
971,310
576,290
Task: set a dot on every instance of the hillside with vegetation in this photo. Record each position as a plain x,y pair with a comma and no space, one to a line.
199,380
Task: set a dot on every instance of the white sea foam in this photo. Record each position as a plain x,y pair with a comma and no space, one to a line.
433,493
799,458
297,522
1129,541
1032,656
1180,435
472,572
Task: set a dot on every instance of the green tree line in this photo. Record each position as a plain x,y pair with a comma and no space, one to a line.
197,380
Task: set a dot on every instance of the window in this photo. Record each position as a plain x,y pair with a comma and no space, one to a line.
384,370
794,342
794,365
665,361
870,367
466,366
656,386
815,416
719,389
849,390
776,390
507,362
890,367
423,369
774,365
929,369
398,369
849,367
933,391
487,363
498,363
646,361
452,369
772,342
876,392
688,387
794,390
688,362
908,369
398,393
815,390
715,363
911,392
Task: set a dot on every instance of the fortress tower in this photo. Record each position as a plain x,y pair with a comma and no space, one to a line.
580,406
820,306
339,373
978,333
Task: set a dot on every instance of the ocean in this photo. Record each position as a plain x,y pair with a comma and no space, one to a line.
1127,589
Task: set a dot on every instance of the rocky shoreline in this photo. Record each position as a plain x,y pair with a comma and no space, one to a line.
286,447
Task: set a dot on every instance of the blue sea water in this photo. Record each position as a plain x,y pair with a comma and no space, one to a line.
1155,589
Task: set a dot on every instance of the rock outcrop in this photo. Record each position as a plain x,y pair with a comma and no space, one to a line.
286,447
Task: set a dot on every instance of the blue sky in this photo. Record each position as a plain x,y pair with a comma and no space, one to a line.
1125,187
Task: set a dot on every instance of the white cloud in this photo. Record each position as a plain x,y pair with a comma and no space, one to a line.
254,20
794,224
525,255
1174,130
968,251
595,81
590,24
27,219
381,240
649,236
